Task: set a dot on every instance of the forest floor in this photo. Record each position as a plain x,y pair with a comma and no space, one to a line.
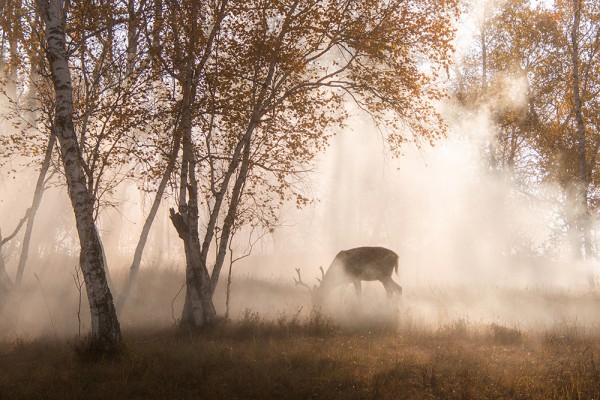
434,343
312,359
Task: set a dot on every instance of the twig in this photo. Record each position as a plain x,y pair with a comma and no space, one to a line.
232,260
47,307
173,303
228,292
78,284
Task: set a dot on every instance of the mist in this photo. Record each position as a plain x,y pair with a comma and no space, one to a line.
474,243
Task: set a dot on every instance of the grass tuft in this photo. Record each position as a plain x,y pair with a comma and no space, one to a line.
506,335
457,329
253,325
89,350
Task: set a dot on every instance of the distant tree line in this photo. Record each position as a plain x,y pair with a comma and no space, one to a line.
535,67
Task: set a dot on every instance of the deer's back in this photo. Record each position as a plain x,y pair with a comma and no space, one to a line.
368,263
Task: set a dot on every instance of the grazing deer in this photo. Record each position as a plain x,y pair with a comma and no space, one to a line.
354,266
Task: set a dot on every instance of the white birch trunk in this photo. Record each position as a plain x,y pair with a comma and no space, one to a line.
198,309
105,330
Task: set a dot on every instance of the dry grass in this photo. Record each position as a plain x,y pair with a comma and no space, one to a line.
423,349
313,358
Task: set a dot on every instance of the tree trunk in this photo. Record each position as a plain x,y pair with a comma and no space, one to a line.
132,37
236,196
139,249
32,105
572,213
35,204
242,149
198,310
105,329
10,88
583,184
491,144
6,285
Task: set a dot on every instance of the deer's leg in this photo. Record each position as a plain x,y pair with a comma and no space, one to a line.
357,287
391,287
388,289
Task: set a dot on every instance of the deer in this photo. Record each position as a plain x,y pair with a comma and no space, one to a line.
353,266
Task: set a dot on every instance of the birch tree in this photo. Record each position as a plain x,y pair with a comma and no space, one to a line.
551,52
105,329
24,142
272,93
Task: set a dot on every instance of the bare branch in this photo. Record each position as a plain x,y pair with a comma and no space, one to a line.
17,229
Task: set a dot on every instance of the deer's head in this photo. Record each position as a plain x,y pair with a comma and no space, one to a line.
315,291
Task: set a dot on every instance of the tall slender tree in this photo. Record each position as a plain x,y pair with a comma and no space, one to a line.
105,328
272,90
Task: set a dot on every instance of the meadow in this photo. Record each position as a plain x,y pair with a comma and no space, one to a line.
434,343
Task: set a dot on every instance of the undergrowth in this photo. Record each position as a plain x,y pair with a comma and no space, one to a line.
309,355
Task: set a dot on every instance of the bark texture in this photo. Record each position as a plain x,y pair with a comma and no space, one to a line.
105,329
198,309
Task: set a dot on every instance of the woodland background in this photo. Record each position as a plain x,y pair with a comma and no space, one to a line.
189,133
